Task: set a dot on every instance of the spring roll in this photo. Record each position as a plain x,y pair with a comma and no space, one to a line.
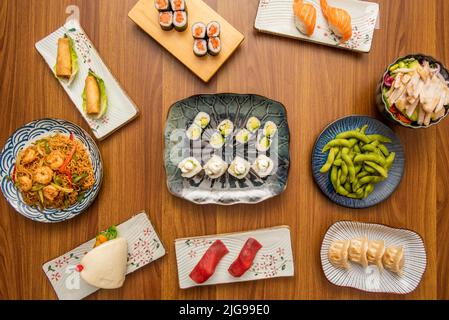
93,98
64,60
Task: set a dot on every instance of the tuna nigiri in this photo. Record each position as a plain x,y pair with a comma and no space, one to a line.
339,21
305,17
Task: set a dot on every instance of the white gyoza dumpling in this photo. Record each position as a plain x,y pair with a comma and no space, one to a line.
189,167
239,168
263,166
105,266
215,167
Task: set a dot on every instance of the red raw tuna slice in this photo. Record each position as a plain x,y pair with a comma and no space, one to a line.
206,267
245,258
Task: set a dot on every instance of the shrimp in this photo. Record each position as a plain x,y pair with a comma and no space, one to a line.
43,175
25,183
50,193
55,159
29,155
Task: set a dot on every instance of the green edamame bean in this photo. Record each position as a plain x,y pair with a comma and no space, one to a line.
358,168
368,190
381,170
338,162
384,150
348,187
369,148
365,180
354,196
334,176
373,157
363,130
350,166
357,148
377,180
344,173
337,143
379,137
353,135
362,174
330,160
390,159
375,143
369,169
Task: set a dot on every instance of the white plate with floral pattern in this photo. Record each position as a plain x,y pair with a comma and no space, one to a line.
121,109
274,259
372,279
276,17
144,247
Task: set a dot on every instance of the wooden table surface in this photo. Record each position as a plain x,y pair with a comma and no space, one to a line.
317,84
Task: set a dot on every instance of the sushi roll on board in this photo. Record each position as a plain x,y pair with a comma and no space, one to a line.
200,47
162,5
199,30
213,29
214,46
166,20
178,5
180,21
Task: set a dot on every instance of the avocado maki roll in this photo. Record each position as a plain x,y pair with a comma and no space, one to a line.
199,30
166,20
213,29
200,47
178,5
162,5
214,46
180,21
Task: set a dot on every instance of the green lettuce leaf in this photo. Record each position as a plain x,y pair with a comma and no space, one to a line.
75,64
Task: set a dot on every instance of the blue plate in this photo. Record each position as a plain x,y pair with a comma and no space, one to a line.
382,190
21,138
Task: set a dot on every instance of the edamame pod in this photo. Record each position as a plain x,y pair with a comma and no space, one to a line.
337,143
384,150
381,170
390,159
379,137
330,160
344,173
354,135
372,157
350,166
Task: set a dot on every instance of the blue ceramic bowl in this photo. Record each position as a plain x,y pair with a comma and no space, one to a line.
21,138
382,190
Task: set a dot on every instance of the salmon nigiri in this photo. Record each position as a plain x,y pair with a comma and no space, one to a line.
305,17
339,21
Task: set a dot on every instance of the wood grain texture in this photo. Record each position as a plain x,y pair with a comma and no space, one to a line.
180,44
316,84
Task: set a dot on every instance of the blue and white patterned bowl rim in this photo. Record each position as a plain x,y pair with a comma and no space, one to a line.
382,190
20,139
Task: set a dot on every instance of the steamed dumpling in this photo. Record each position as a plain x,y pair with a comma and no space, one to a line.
338,253
357,251
393,259
376,250
189,167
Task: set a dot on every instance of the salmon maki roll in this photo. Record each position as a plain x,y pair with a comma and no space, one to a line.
339,21
199,30
162,5
305,17
166,20
180,21
214,46
200,47
178,5
213,29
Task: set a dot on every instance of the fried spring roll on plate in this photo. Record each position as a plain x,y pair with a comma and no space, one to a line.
92,95
64,59
95,101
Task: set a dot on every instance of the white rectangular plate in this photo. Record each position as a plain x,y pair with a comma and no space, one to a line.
274,260
372,279
144,247
276,17
121,108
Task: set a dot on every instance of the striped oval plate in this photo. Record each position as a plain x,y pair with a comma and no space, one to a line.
382,190
371,279
31,132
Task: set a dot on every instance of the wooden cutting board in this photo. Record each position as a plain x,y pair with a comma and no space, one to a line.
180,44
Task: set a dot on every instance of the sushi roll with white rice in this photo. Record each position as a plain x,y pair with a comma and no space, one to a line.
199,30
162,5
180,20
178,5
213,29
263,143
214,46
226,127
166,20
194,132
242,136
202,119
239,168
189,167
200,47
215,167
263,166
216,140
270,129
253,124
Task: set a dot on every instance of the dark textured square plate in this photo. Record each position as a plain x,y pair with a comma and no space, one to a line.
226,190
